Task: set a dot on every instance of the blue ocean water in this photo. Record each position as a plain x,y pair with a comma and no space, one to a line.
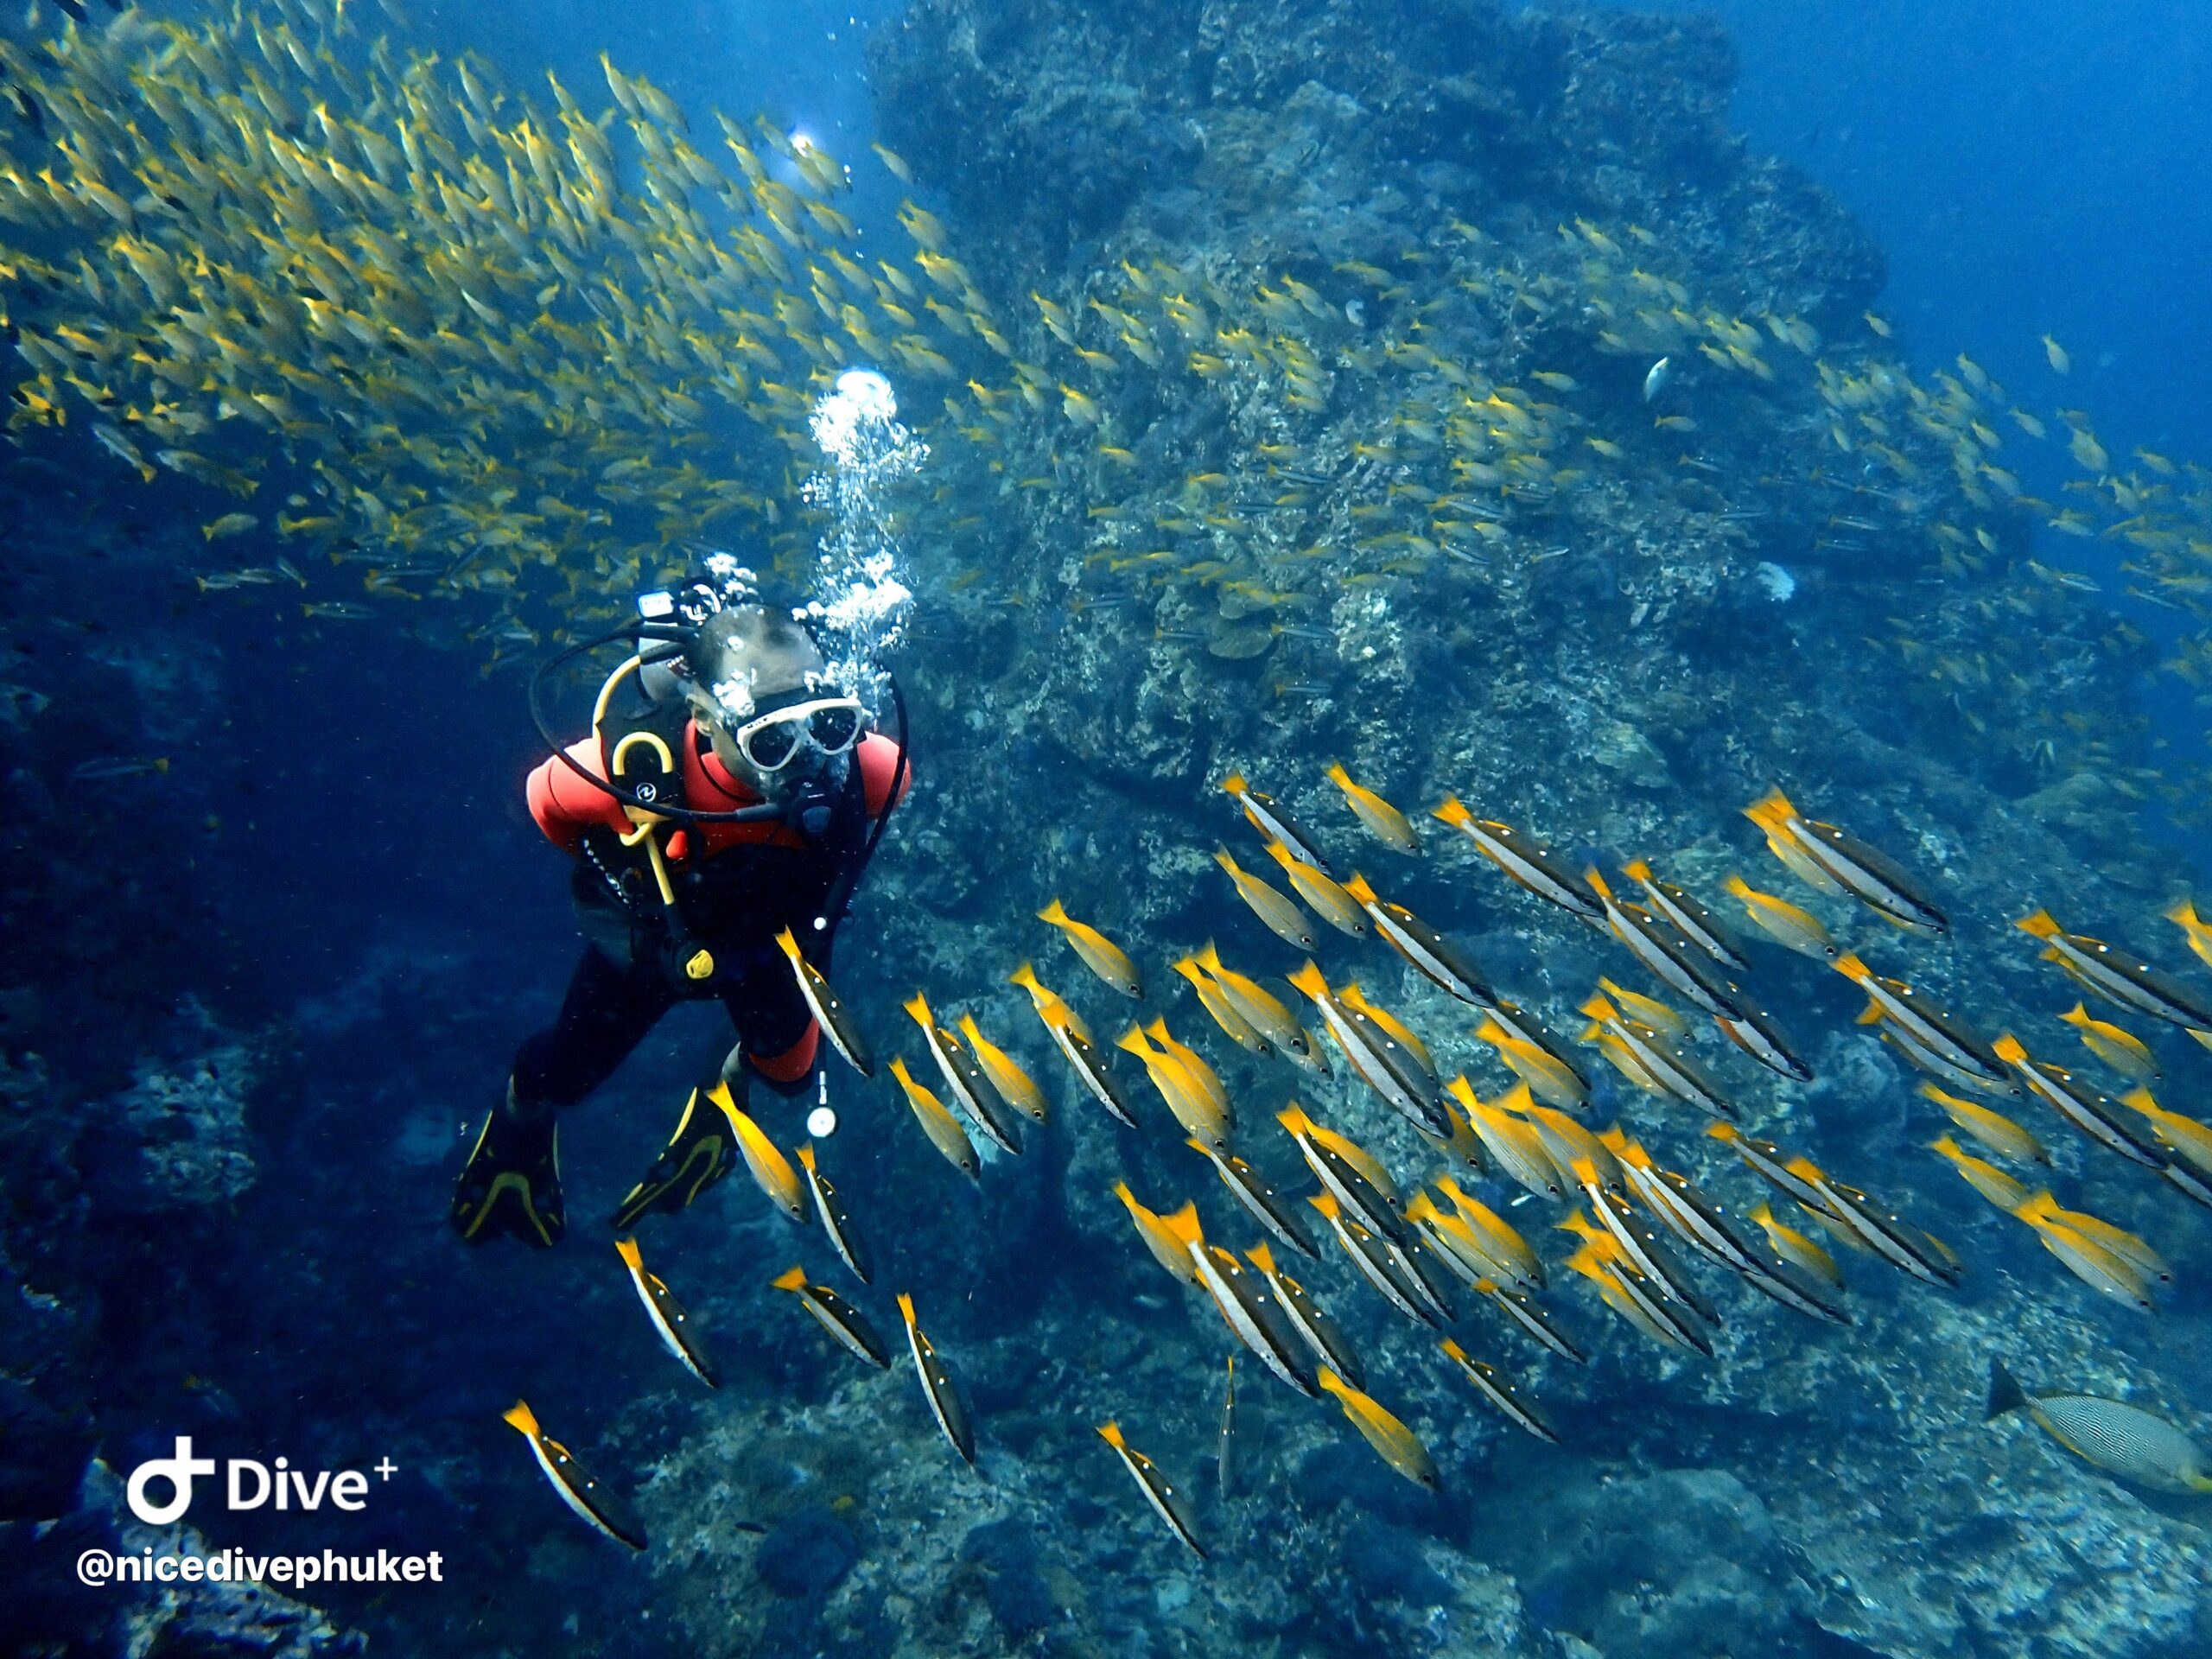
279,915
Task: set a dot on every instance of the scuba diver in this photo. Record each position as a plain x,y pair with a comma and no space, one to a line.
730,790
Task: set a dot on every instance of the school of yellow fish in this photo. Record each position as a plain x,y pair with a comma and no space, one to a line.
1637,1226
479,343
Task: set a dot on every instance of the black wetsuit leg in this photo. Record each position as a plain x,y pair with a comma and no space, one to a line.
607,1013
771,1016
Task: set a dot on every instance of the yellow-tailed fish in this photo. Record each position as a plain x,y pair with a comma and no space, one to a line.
2199,935
1510,1253
1501,1392
1193,1064
1249,1307
1992,1183
1381,1062
2087,1108
937,1121
965,1079
1928,1032
1668,1069
676,1328
1397,1444
1383,821
1993,1129
1042,997
1185,1096
1773,1163
937,1386
1266,815
1625,1289
1650,1011
847,1326
596,1503
2086,1258
1088,1063
2108,1435
1795,1249
1865,873
1159,1491
2190,1142
2120,976
828,1008
1262,1009
1321,895
1674,960
1221,1011
1514,1143
1100,954
1323,1335
1258,1195
771,1170
2122,1051
1162,1234
1681,910
844,1237
1783,922
1880,1228
1015,1086
1556,1083
1524,862
1347,1170
1284,919
1436,957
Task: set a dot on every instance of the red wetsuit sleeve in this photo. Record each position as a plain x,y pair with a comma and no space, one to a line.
564,805
879,759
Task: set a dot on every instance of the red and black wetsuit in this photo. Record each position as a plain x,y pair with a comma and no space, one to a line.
737,886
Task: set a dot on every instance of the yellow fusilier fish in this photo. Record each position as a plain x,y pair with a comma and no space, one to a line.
1388,824
1556,1083
1512,1140
965,1079
230,524
847,1326
1381,1061
1247,1306
1349,1171
1501,1392
2120,977
937,1386
1926,1033
1283,918
1162,1234
1432,952
1043,998
1993,1129
1159,1491
1782,843
1395,1030
1984,1177
1085,1059
1795,1249
2054,354
1194,1067
771,1170
1865,873
2199,935
1323,1335
1100,954
1652,1060
1508,1254
1888,1235
1680,908
1267,816
2091,1260
1783,922
673,1324
1523,863
1667,1021
1015,1086
2122,1051
2190,1142
597,1504
844,1238
2088,1109
1322,896
1263,1010
937,1121
1623,1289
2108,1435
1397,1444
1257,1194
1223,1012
1676,961
828,1008
1185,1096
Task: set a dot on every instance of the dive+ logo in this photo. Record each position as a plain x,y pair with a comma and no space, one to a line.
248,1485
